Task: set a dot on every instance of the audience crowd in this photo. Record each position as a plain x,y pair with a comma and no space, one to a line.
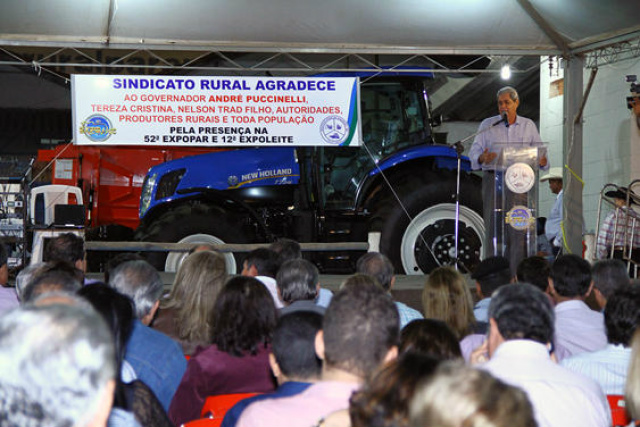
556,345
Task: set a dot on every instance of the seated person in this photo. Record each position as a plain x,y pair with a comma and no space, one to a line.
446,297
359,334
619,230
458,395
57,276
288,249
243,321
263,264
521,329
535,271
489,275
430,337
577,327
184,315
157,360
384,399
58,367
293,360
131,395
380,268
68,247
298,286
607,276
609,366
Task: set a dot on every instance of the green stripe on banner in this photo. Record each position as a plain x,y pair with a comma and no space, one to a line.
353,114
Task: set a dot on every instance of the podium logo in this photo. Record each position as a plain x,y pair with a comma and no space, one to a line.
520,218
520,178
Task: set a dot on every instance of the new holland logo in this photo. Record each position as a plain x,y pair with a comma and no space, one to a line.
97,128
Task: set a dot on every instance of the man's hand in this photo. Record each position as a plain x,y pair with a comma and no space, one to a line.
487,157
480,355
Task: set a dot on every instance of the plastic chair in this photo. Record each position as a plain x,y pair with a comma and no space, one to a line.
53,195
216,406
619,414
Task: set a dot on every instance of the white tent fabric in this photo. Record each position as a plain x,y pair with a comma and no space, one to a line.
535,27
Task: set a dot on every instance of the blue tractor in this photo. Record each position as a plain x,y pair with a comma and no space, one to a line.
400,184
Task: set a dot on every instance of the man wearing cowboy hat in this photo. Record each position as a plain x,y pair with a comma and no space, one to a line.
621,219
552,229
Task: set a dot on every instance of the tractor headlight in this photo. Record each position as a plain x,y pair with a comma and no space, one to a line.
147,191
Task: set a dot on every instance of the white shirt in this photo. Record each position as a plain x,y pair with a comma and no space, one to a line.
481,310
272,287
578,329
560,398
608,367
522,134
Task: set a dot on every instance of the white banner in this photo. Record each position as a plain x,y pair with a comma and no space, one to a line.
212,111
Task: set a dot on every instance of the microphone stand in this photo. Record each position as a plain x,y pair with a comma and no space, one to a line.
459,148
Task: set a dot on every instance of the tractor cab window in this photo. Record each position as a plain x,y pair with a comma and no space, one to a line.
394,116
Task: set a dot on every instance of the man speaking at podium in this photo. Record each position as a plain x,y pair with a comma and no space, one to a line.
507,127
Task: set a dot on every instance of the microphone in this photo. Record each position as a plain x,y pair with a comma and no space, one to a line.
504,119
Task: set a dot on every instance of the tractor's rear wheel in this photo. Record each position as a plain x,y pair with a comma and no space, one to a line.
419,235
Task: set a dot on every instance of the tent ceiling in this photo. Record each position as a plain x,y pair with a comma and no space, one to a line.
470,37
365,26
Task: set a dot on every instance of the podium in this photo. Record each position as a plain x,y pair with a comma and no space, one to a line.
513,226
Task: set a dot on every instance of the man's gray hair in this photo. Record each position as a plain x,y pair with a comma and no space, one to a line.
297,280
56,362
513,94
609,274
141,282
25,277
377,266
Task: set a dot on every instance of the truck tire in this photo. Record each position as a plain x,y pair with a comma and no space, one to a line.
192,224
426,240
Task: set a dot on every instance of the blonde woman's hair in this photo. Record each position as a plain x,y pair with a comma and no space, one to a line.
632,389
447,297
195,289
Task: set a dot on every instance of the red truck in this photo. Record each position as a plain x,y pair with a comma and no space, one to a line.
111,181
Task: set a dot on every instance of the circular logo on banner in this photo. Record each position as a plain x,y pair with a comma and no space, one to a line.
334,130
520,218
520,177
97,128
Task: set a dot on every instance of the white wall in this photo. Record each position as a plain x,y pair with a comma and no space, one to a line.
607,148
457,131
